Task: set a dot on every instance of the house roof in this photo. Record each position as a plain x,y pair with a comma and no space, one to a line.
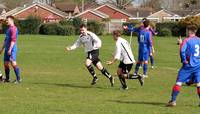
66,7
115,8
88,6
140,12
164,10
21,9
185,13
95,12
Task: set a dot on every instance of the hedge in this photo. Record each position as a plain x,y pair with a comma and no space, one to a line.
96,27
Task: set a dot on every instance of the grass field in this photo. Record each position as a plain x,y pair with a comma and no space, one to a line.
56,82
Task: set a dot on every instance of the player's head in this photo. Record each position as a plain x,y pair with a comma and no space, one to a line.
10,20
116,34
146,23
141,24
83,29
191,29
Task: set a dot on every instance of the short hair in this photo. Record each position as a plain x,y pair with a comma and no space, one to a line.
192,28
144,19
117,33
83,25
146,22
11,17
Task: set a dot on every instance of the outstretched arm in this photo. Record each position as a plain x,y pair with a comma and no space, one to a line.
74,46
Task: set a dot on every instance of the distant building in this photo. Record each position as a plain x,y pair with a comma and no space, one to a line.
113,16
165,15
46,12
70,9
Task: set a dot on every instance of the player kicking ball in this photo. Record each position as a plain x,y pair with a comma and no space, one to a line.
190,57
92,43
123,53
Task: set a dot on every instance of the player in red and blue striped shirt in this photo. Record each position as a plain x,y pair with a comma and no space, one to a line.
190,58
10,53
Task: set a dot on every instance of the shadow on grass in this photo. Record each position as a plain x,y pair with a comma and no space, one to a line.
75,86
140,102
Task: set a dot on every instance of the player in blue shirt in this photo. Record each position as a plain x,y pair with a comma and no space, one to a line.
10,53
151,52
145,46
190,57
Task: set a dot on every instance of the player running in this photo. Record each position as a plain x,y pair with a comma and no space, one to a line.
123,53
92,43
190,57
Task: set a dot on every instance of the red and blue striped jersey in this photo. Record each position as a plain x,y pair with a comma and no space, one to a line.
190,51
11,36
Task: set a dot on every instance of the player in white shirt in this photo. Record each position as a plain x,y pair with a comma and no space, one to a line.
92,43
124,54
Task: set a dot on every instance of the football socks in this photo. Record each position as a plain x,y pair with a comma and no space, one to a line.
91,70
175,92
106,73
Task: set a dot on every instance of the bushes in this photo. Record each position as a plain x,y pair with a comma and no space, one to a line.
30,25
65,27
165,32
56,29
96,27
165,28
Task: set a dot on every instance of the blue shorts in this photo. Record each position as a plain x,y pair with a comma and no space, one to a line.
186,73
143,56
11,57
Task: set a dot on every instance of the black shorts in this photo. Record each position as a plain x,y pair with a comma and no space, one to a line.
93,56
126,68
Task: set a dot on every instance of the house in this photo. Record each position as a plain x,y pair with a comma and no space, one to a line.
111,15
69,9
46,12
140,11
89,15
186,13
165,15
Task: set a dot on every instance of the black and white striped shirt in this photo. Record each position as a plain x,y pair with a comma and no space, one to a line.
123,51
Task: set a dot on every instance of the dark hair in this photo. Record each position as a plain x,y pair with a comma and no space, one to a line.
192,28
144,19
146,23
83,25
11,17
117,33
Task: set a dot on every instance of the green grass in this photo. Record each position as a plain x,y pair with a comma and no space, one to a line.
56,82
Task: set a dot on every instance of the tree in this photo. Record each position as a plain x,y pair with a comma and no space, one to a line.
155,4
120,3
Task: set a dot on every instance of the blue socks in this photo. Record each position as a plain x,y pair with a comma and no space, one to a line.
175,92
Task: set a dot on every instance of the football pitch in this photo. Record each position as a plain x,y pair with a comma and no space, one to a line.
57,82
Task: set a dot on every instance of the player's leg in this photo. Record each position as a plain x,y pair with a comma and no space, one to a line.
151,60
104,71
145,68
183,75
1,76
145,65
138,64
6,66
17,71
15,66
122,78
197,80
88,63
198,90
